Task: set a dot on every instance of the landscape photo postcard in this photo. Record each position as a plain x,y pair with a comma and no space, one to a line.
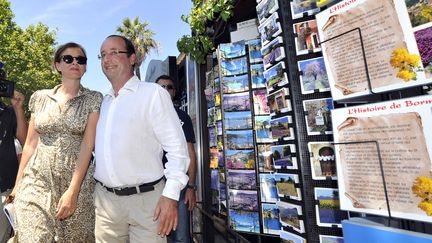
328,207
222,192
235,84
270,28
238,120
254,47
242,139
307,39
287,237
396,49
257,77
214,179
218,111
289,216
236,102
209,98
273,52
266,8
313,76
281,128
275,76
330,239
262,129
260,102
241,179
286,185
318,116
244,221
212,136
216,85
270,218
234,66
323,160
283,156
279,101
222,178
402,130
231,50
268,188
243,200
220,142
219,127
211,116
240,159
265,161
301,7
221,160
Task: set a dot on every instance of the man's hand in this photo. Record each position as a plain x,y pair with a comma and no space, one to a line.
166,212
190,198
17,100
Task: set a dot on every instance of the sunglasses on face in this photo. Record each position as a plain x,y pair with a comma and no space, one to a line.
69,59
167,87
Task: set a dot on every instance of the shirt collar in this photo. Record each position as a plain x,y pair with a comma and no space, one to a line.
131,85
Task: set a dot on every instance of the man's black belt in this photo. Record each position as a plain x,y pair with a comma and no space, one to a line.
127,191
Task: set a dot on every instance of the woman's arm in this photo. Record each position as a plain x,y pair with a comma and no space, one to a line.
67,204
29,147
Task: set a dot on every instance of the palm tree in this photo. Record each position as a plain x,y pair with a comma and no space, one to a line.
141,37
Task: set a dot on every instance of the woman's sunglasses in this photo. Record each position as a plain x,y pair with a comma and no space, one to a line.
69,59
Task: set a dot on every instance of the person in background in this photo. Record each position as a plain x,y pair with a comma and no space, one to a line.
13,126
187,199
54,187
137,123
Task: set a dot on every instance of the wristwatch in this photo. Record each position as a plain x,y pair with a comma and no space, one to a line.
192,186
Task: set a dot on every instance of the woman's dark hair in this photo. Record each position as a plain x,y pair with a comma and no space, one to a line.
62,48
128,43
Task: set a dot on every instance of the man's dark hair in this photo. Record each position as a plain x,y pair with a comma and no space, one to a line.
128,43
164,77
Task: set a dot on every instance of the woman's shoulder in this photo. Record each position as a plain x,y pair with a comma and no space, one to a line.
93,94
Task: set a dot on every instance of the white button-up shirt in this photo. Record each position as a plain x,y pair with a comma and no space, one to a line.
133,130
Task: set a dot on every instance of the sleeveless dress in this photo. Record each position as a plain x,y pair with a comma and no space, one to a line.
49,171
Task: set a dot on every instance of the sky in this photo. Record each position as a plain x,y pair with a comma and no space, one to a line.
88,22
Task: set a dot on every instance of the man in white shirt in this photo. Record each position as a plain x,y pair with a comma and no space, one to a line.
137,122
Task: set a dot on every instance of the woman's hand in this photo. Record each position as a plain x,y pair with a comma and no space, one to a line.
67,204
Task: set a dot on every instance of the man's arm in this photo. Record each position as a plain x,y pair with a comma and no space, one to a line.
17,102
190,197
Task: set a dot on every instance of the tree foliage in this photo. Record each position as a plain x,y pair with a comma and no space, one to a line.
26,53
141,37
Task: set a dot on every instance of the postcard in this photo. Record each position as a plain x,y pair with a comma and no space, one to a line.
318,116
255,55
262,129
216,85
234,66
273,52
279,102
287,237
331,239
235,84
258,80
236,102
300,8
268,188
270,218
270,28
212,136
244,221
243,200
222,191
289,216
402,130
214,157
286,186
307,39
313,76
275,76
231,50
281,128
323,160
242,139
265,161
283,156
214,182
211,116
238,120
240,159
328,213
260,102
265,8
241,179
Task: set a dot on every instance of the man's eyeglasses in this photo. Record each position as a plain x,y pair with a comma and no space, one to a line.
111,53
81,60
167,87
